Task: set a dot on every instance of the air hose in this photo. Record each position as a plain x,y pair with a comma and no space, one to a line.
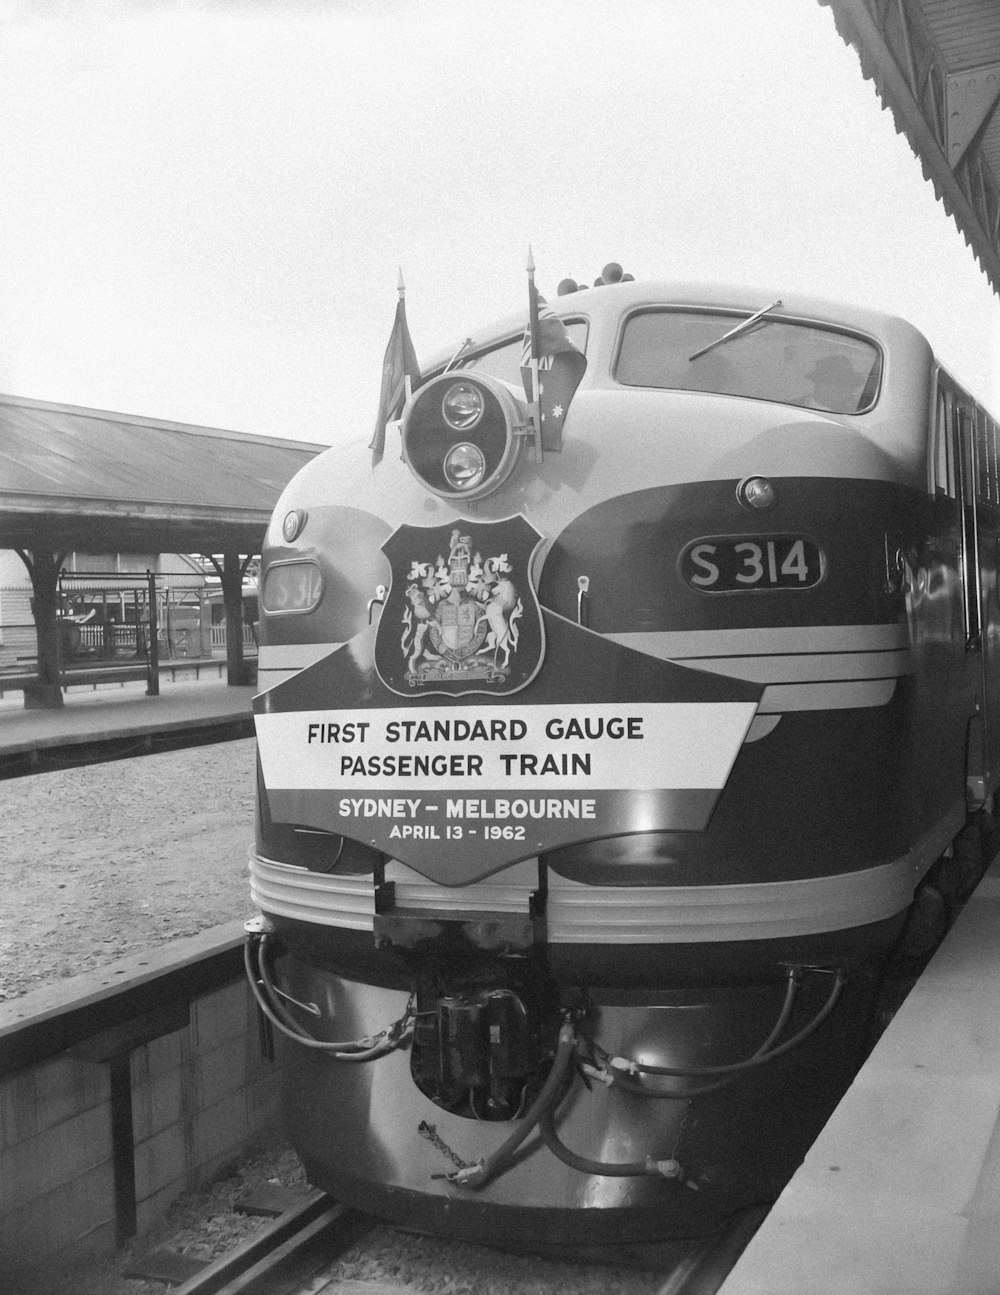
622,1067
266,994
670,1168
646,1168
484,1171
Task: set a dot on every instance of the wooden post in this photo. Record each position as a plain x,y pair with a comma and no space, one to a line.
43,567
153,656
232,597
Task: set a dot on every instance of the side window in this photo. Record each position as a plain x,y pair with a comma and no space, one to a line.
984,480
945,482
965,428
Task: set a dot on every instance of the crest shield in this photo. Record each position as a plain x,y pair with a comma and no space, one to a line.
461,615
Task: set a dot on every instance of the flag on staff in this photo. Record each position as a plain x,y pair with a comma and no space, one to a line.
551,365
399,364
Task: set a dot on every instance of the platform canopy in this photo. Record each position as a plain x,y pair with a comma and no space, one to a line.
935,65
85,480
98,482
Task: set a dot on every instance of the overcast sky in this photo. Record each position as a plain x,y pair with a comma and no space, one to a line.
204,205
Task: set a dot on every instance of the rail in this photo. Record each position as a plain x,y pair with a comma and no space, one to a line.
289,1249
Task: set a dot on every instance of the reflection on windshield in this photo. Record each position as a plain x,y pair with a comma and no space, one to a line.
797,364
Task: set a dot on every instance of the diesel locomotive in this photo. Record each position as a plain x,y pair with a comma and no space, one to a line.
620,705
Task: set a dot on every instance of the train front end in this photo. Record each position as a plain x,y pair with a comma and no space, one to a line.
580,841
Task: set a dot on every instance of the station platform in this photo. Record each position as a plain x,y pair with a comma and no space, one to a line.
123,713
900,1194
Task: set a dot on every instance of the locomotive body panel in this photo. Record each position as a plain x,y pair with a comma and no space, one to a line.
755,689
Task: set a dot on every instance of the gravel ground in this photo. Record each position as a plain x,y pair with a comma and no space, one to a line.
117,858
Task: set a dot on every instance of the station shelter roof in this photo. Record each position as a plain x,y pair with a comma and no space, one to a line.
935,65
100,482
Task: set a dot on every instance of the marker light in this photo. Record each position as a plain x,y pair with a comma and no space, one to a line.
464,466
293,524
291,587
756,492
463,406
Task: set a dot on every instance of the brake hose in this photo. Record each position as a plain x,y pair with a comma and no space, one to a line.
646,1168
367,1049
622,1066
479,1174
670,1168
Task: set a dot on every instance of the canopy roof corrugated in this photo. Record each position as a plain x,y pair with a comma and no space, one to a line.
86,479
936,66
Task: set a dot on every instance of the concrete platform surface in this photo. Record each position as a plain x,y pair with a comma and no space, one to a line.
117,711
900,1194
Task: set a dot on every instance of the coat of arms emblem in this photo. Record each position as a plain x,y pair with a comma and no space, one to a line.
461,614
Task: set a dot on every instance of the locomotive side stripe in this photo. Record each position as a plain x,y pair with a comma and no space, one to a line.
797,679
278,662
581,914
794,654
824,667
676,645
780,698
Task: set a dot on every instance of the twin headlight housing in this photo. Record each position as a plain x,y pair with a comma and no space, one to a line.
462,434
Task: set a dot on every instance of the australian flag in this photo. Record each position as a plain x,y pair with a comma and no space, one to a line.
559,362
399,364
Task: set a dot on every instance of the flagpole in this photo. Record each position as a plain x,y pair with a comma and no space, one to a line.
401,293
400,375
533,360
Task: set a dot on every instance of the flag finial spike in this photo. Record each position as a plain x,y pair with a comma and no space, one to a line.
401,286
530,267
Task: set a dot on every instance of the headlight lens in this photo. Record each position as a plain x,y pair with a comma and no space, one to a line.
462,435
291,587
462,406
464,466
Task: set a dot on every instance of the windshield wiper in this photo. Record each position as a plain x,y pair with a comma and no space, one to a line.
741,327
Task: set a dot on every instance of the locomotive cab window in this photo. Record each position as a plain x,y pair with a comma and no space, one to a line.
774,359
504,361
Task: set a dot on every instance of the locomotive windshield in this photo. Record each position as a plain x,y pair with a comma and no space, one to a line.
775,359
504,361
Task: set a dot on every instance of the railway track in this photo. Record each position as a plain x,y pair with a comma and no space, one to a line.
300,1252
282,1259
